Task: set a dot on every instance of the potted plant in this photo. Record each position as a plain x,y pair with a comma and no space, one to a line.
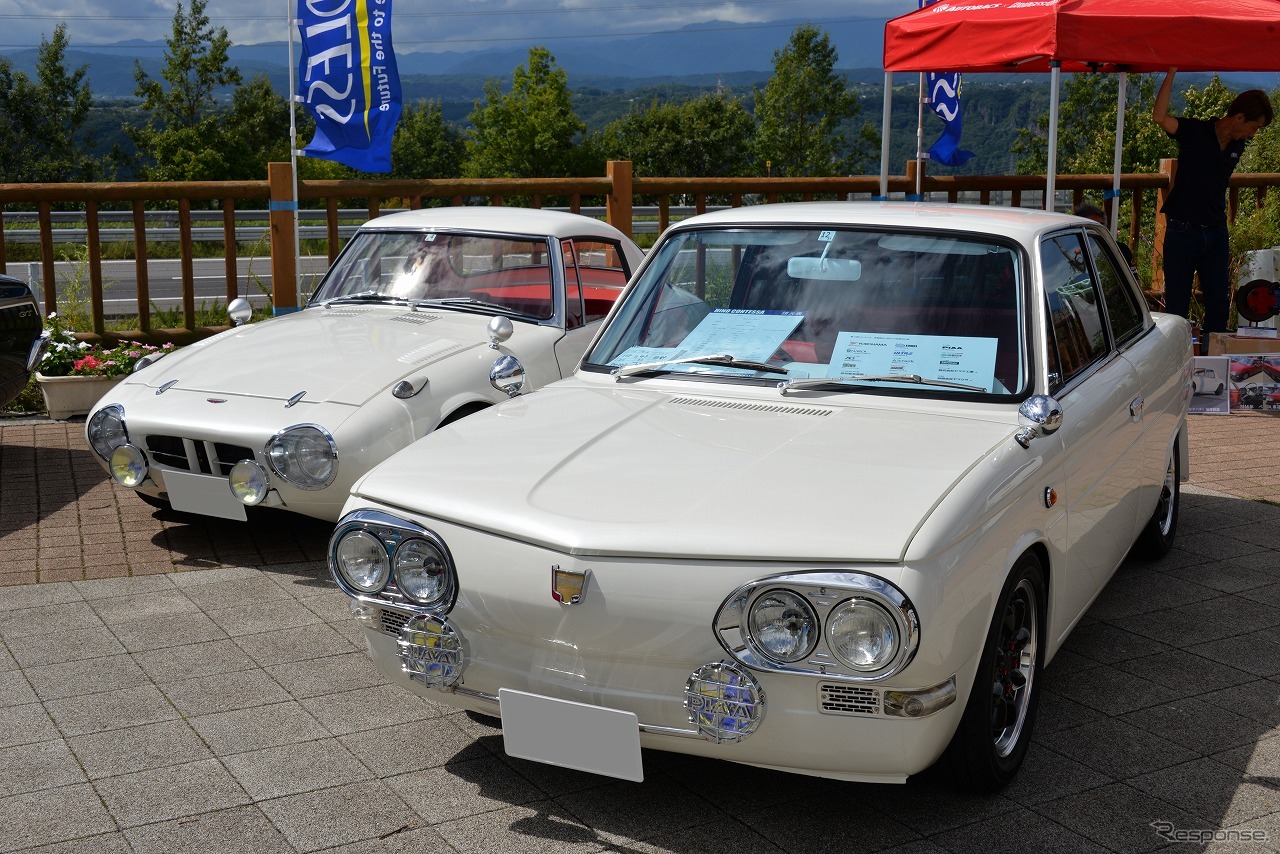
74,374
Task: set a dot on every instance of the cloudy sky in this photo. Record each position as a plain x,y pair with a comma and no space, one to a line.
427,25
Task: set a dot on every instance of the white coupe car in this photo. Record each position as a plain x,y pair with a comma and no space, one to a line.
425,317
826,494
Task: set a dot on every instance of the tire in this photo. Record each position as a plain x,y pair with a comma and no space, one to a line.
992,739
1157,537
1221,388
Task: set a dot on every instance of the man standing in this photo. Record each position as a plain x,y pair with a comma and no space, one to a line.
1196,238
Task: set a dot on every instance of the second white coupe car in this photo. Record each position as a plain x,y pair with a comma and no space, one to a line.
425,317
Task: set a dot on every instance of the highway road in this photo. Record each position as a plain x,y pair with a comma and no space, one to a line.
120,287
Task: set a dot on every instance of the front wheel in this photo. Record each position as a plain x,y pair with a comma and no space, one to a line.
1157,537
991,741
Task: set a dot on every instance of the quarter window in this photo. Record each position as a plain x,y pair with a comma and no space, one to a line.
1121,300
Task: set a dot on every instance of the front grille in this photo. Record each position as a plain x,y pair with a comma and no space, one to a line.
393,621
839,699
196,455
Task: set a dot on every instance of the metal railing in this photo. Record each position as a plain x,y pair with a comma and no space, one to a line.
234,213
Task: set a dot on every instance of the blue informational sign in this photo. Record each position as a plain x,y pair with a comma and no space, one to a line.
348,81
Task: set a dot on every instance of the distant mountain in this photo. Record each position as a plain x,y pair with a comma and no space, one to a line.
736,55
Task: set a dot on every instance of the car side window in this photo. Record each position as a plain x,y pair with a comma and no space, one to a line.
1121,300
1077,333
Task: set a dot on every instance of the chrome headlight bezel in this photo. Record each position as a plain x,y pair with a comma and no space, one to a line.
825,592
392,532
101,433
282,455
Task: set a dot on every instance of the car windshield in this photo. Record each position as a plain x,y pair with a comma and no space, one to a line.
492,272
795,306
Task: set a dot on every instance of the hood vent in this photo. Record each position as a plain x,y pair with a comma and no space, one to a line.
415,317
427,352
778,408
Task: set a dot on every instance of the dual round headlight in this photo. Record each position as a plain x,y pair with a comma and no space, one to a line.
418,565
849,625
305,456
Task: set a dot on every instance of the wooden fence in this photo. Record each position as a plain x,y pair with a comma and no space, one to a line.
618,192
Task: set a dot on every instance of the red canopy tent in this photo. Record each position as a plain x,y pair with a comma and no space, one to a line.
1081,35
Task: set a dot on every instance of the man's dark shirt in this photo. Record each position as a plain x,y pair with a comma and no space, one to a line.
1199,194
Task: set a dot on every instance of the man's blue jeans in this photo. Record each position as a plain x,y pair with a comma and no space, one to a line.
1190,249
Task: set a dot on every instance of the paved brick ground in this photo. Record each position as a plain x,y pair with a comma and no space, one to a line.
233,709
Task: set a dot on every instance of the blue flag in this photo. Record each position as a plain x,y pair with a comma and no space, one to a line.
349,82
944,99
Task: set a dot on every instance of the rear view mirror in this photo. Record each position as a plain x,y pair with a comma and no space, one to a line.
825,269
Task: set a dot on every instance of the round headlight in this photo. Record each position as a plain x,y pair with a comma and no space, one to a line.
422,572
248,482
304,456
783,626
863,635
105,430
128,466
362,560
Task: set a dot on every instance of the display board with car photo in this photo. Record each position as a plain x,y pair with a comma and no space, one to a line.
1210,377
1255,382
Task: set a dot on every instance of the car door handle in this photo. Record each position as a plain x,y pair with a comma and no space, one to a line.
1135,408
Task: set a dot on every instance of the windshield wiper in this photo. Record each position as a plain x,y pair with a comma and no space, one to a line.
472,302
367,296
847,382
722,359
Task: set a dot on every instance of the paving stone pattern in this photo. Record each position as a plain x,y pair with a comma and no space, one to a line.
173,685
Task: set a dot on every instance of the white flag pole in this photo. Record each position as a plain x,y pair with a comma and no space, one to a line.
293,145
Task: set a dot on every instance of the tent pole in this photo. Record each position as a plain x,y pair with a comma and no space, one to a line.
884,136
1114,217
1055,73
919,196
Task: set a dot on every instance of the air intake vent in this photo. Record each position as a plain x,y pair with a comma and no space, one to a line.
839,699
415,317
778,408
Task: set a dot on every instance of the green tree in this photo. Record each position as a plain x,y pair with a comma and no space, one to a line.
185,130
708,136
801,109
425,145
530,132
41,120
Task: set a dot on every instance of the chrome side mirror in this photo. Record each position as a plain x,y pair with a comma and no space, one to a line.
500,329
507,374
1041,415
240,311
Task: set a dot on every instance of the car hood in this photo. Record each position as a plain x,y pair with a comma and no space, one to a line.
340,354
591,471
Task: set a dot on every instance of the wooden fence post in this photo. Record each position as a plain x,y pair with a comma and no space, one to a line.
618,208
1169,169
284,248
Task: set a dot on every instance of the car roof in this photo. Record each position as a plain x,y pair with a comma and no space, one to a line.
491,218
1020,223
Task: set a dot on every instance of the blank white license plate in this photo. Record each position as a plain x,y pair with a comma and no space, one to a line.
571,735
203,494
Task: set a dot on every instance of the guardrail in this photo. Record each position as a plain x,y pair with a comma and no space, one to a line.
636,205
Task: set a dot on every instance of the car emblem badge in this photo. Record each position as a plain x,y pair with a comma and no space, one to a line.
567,586
215,400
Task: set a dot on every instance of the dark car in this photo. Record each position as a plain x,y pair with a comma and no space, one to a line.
20,330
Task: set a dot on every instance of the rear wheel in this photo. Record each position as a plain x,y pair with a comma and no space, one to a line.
1157,537
991,741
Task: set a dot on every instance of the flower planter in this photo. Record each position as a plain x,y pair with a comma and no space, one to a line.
66,397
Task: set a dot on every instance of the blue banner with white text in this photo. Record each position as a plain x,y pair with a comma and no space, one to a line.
348,81
944,100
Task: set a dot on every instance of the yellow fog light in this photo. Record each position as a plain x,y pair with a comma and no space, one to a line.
248,482
129,466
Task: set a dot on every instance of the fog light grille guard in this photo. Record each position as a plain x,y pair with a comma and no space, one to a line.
840,699
725,702
430,651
